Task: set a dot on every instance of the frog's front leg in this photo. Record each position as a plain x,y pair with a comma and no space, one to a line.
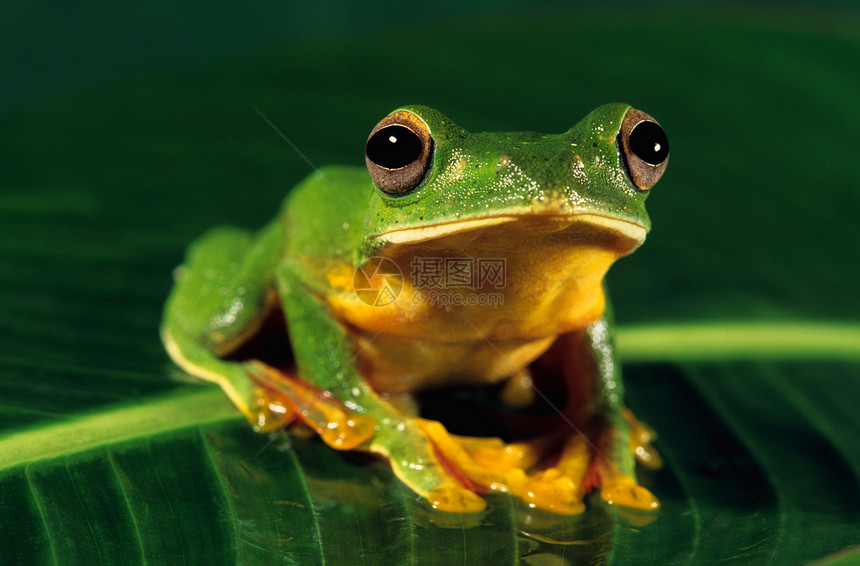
594,446
607,449
326,360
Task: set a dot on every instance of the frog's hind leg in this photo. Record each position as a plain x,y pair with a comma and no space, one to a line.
196,360
223,292
214,307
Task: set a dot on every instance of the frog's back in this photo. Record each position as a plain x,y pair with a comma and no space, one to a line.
330,191
325,213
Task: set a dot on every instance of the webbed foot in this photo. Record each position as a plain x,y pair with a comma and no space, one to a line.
282,400
581,466
615,479
488,464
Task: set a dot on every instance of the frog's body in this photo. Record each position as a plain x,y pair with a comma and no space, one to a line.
551,212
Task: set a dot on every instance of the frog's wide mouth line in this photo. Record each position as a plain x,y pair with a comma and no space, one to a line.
627,229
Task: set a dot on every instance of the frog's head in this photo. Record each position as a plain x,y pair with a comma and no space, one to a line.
434,179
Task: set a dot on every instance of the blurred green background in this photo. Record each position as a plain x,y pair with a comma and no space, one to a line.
756,102
127,130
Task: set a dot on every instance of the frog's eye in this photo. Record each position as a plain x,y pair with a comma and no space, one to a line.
398,152
644,148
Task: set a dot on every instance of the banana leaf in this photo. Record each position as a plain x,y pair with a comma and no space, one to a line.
739,319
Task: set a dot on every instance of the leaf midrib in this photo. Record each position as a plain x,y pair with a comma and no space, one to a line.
641,343
187,408
704,341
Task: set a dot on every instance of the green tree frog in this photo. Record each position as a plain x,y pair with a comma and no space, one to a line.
357,264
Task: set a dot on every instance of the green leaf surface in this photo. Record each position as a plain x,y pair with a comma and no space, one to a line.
740,317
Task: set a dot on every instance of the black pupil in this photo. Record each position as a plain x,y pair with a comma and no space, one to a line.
649,143
394,147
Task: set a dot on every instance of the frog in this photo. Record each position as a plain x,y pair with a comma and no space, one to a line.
338,275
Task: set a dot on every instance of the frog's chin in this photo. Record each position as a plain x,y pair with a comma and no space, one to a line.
539,223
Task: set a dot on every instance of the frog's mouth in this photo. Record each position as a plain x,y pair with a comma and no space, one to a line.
625,230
